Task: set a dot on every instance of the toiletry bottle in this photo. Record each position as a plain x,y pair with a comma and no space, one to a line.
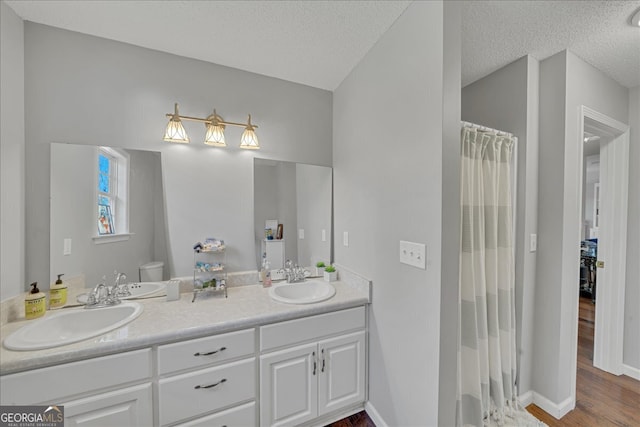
57,293
263,268
267,275
34,303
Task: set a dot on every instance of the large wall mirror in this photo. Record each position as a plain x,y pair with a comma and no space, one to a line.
298,197
79,242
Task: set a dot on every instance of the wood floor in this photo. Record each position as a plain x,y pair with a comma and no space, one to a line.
602,399
361,419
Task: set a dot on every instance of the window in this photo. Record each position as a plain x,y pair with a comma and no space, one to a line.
112,191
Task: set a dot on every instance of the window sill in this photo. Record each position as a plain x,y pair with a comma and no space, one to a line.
111,238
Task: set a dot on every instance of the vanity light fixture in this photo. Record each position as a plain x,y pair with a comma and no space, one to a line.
215,126
175,131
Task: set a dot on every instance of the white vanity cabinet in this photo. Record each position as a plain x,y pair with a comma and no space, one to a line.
299,383
213,378
105,391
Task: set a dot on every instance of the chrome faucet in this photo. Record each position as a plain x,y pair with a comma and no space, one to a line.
105,296
293,273
120,286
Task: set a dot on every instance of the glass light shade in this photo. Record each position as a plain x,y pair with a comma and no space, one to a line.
215,135
249,140
175,132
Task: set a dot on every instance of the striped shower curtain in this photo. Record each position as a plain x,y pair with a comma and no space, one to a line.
487,393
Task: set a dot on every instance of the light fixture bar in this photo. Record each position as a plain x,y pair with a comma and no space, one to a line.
209,121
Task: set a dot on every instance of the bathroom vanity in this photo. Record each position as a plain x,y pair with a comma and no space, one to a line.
241,361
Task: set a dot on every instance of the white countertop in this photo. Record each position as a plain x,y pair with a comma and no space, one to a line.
167,321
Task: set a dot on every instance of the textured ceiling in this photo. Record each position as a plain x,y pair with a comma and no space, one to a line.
495,33
318,43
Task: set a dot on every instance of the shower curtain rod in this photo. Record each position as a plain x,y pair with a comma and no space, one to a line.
486,129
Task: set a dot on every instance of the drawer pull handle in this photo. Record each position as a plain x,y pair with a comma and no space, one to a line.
314,362
322,370
210,352
211,385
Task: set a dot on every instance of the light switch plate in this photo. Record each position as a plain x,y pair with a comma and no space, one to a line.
324,235
301,233
345,238
413,254
533,242
67,247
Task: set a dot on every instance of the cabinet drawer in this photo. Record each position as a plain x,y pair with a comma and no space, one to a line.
205,351
310,328
179,398
56,382
240,416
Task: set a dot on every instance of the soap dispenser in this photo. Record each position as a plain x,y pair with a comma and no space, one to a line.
57,293
34,303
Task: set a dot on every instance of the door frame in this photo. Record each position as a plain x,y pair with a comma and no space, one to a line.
614,182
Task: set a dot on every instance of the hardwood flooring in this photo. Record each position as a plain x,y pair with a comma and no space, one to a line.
602,399
361,419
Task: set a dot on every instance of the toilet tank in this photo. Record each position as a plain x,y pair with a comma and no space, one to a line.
151,272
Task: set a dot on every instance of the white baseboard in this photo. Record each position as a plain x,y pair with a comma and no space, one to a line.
630,371
526,399
374,415
557,410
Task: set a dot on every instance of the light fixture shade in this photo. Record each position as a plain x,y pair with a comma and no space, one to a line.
215,131
215,136
249,140
175,131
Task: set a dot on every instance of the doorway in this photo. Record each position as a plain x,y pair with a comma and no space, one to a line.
613,139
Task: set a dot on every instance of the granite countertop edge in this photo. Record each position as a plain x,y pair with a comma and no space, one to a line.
165,322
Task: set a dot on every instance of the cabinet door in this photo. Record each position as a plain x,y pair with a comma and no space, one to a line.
288,386
127,407
341,366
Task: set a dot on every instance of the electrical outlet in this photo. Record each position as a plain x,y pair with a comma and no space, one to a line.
277,274
533,242
413,254
67,247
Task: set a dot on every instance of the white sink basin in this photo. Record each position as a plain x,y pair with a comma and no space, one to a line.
138,290
302,293
71,325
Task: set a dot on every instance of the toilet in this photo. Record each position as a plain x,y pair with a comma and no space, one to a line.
151,272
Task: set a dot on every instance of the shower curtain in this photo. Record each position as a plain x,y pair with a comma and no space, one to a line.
487,393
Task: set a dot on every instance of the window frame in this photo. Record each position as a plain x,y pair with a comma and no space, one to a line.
118,193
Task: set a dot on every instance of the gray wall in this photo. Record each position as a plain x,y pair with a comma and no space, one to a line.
88,90
12,161
507,99
631,356
73,213
566,82
381,199
313,200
